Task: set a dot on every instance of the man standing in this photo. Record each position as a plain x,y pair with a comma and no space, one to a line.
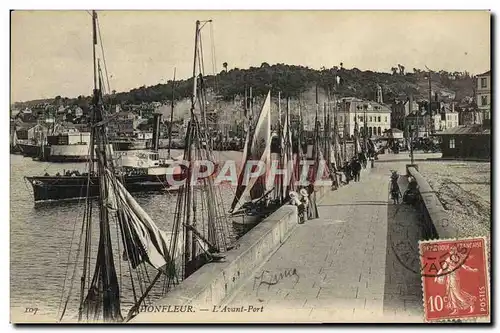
356,166
347,172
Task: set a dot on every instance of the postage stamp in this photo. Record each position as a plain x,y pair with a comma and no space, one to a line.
455,279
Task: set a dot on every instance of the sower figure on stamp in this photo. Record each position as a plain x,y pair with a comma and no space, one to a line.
455,298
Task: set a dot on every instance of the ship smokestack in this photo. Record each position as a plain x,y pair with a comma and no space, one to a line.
156,131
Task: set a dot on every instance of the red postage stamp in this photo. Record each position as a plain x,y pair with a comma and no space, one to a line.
455,279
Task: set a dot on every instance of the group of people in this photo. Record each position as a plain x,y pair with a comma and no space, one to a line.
301,200
67,173
411,193
352,168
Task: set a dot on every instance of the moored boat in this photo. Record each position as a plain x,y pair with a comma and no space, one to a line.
71,187
29,148
142,256
68,146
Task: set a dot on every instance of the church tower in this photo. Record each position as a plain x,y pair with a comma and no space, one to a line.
380,100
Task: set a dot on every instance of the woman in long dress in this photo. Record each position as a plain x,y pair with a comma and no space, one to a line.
455,298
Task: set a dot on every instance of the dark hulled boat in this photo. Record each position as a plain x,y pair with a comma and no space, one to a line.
28,149
55,188
141,171
156,261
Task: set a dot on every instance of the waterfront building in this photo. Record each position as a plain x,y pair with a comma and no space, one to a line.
473,141
377,116
469,115
483,94
400,110
419,123
449,119
124,123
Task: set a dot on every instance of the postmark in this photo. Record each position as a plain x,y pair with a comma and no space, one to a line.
455,279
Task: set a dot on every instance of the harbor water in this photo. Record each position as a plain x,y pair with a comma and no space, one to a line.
44,239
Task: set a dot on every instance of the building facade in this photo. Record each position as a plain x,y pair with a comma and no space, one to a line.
398,114
449,120
373,116
419,124
483,94
124,124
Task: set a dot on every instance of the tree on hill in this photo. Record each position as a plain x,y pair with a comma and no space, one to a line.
294,80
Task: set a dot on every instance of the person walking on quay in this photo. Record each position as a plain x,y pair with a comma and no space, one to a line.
333,176
356,166
362,159
347,172
304,200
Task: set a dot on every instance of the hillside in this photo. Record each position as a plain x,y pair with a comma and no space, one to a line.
294,80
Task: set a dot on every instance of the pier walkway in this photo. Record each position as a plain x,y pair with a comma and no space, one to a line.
344,266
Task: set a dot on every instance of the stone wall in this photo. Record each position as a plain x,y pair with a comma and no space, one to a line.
434,216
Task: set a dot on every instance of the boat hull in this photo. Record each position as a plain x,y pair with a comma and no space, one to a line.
29,150
130,145
53,188
244,222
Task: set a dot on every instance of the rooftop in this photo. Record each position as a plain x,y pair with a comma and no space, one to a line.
487,73
466,130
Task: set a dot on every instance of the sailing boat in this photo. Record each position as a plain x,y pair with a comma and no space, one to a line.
251,201
139,241
199,210
14,148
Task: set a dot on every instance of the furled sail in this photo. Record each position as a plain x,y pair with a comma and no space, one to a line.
286,144
144,241
259,150
103,296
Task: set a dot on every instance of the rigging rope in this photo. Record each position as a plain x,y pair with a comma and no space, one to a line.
102,52
214,60
67,269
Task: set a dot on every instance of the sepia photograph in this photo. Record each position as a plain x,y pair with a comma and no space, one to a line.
250,166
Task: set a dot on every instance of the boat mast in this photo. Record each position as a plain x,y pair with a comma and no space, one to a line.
88,212
171,117
281,189
189,241
251,106
326,141
94,62
103,291
289,153
193,95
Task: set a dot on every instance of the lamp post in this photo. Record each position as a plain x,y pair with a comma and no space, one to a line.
356,130
428,76
411,146
365,126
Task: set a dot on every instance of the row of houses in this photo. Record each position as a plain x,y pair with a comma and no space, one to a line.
415,117
429,117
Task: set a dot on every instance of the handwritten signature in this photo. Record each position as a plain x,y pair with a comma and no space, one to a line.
272,278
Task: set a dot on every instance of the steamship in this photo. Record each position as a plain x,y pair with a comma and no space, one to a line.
141,171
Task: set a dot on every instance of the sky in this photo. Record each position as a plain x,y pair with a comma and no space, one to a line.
51,51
